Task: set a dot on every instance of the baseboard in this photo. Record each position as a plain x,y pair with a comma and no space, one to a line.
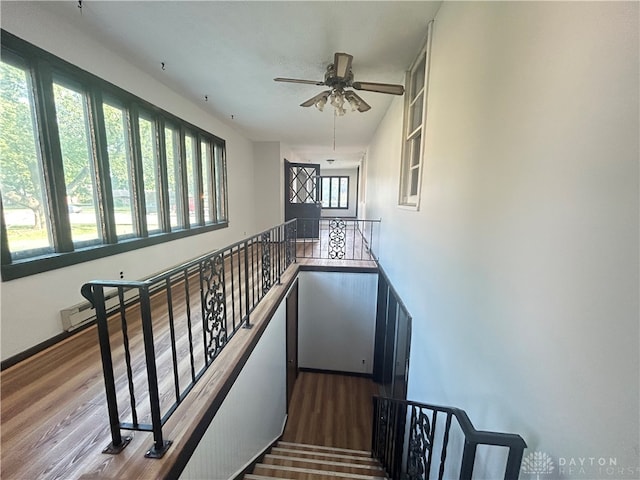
30,352
336,372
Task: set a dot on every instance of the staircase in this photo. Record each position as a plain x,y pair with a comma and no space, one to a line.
314,462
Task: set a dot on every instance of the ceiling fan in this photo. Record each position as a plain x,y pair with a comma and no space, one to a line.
339,77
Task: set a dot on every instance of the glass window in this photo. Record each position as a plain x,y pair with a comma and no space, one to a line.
24,197
221,183
55,196
207,185
192,178
343,200
120,169
335,192
172,140
150,172
414,137
77,160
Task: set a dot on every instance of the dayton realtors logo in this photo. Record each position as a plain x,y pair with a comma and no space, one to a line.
537,463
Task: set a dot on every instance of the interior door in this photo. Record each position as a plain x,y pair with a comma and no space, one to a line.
292,340
302,197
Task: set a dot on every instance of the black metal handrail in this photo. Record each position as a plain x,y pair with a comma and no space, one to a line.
337,238
409,454
199,306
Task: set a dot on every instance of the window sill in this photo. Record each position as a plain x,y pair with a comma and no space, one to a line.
52,261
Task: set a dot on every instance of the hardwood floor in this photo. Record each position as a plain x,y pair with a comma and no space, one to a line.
331,410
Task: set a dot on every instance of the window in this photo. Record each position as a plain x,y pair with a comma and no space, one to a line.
120,168
89,170
150,172
192,178
335,192
77,164
21,178
415,110
172,155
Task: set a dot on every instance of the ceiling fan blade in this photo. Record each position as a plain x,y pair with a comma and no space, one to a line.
314,100
361,104
295,80
342,64
379,87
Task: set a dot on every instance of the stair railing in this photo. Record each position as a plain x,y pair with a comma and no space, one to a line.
198,306
337,238
407,435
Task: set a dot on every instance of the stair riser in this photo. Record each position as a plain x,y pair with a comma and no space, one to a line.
323,456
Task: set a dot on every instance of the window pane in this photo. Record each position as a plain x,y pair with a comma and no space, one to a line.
79,174
173,176
335,192
417,77
205,161
416,114
415,150
21,180
150,172
413,190
221,184
344,192
192,188
326,187
119,167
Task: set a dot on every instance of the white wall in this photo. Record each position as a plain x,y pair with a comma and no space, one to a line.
269,178
336,321
252,415
521,268
352,173
30,306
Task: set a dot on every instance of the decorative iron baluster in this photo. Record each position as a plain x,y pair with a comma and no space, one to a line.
383,422
337,238
290,233
419,433
445,445
214,305
266,262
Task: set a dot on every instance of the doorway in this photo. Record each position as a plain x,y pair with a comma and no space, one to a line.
302,197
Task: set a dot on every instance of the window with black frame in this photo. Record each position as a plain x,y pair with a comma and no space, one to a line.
334,192
88,170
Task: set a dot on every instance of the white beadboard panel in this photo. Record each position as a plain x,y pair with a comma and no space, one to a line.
253,414
337,321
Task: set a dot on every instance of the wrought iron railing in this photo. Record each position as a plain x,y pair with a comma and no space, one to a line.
337,238
407,436
159,342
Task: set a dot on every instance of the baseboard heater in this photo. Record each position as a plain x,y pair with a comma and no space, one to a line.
83,313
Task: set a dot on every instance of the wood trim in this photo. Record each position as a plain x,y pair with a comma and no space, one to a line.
335,372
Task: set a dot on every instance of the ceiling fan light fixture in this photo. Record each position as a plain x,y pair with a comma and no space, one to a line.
337,99
322,101
339,76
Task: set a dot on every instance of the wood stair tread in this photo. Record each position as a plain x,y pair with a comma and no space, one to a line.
253,476
305,446
324,464
360,459
292,472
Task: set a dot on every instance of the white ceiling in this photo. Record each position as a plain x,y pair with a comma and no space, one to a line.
231,51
